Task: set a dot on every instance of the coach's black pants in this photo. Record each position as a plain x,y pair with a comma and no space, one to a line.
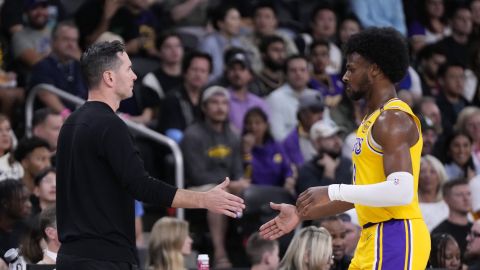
70,262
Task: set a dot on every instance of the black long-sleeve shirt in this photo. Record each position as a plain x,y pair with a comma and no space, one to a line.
99,174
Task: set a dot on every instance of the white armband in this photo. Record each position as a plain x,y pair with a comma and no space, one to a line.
395,191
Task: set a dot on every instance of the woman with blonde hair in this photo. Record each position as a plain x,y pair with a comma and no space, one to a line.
169,242
310,249
430,182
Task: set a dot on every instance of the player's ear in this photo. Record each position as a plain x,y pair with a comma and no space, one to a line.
374,70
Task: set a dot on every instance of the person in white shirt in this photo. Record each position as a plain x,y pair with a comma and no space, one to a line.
283,102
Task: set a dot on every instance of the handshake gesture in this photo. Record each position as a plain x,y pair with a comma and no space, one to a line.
290,215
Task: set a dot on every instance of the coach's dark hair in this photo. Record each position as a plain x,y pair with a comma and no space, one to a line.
385,47
188,59
99,58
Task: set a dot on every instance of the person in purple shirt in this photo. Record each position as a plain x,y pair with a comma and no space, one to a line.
238,73
265,161
298,145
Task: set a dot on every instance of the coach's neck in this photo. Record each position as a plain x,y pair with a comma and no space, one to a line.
105,96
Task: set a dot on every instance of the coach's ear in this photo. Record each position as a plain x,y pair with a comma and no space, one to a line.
108,78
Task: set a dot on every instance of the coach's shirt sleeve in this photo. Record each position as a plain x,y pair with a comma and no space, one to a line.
116,145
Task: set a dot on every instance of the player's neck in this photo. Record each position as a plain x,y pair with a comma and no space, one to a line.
380,95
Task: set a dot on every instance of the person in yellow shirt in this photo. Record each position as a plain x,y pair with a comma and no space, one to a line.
386,163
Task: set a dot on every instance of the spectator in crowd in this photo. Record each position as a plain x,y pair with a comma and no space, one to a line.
298,144
456,46
262,253
45,190
158,83
451,100
349,26
11,13
239,74
337,230
430,26
94,18
138,26
34,155
211,151
190,13
266,163
61,68
265,24
48,230
429,135
32,43
12,97
311,248
169,243
472,254
284,101
457,195
9,168
323,24
458,160
428,108
475,8
328,166
330,85
429,60
430,183
469,122
445,253
381,13
182,105
273,53
352,234
46,125
226,20
15,207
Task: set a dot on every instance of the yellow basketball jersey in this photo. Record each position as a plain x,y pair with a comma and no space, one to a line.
368,168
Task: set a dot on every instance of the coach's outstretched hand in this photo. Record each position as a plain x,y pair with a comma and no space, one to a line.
282,224
219,201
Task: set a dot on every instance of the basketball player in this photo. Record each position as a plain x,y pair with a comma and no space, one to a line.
386,163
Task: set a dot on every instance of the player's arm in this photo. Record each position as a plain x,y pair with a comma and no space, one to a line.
396,132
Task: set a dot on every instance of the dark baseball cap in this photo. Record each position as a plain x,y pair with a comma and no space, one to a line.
312,101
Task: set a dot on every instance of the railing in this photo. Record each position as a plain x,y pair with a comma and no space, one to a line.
155,136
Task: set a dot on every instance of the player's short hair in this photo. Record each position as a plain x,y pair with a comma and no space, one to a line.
385,47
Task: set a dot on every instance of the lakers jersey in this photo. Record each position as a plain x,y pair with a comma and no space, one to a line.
367,157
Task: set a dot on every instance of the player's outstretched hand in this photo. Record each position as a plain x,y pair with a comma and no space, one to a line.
311,197
282,224
219,201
